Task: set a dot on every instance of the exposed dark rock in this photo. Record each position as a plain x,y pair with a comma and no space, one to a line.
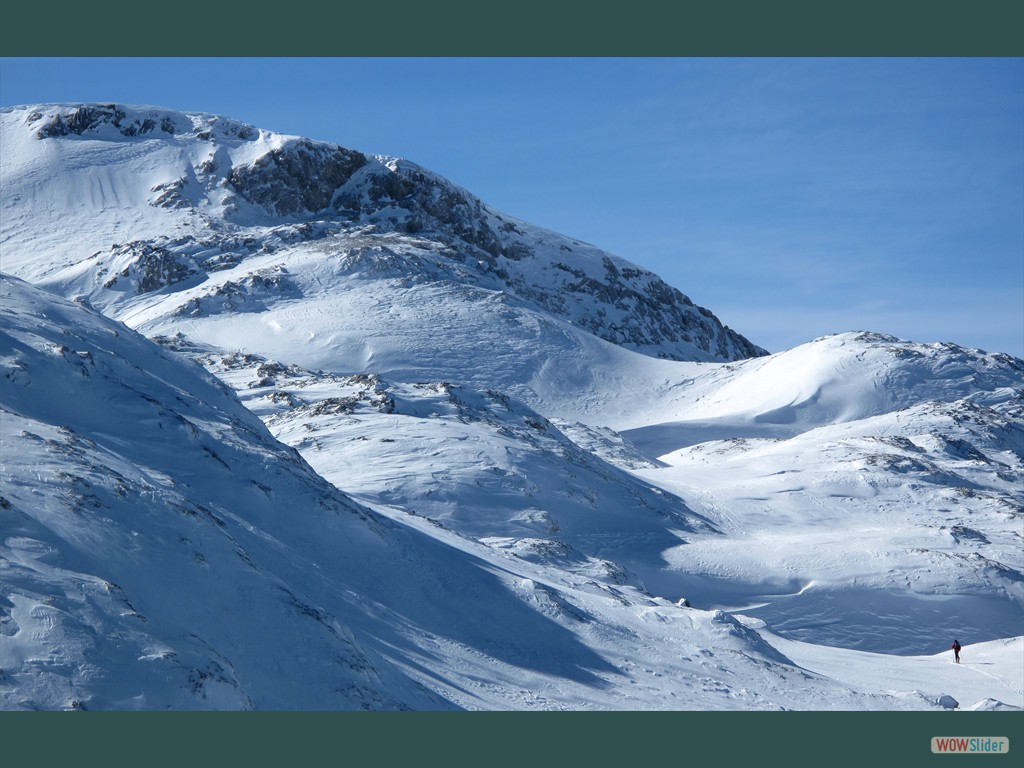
169,195
298,178
245,295
317,190
88,118
653,313
152,267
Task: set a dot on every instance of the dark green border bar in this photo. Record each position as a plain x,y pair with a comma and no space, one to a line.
524,28
496,739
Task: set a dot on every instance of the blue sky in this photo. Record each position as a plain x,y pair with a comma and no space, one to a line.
792,197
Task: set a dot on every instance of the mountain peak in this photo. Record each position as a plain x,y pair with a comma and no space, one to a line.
165,199
117,120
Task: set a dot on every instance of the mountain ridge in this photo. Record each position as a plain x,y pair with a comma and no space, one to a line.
226,177
441,458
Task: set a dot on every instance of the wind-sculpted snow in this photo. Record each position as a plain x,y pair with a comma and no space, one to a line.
153,528
855,375
547,480
834,379
857,470
161,550
475,461
137,175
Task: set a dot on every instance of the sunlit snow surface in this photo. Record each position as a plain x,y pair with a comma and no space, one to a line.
427,483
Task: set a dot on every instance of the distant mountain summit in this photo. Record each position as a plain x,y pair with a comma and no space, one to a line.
118,202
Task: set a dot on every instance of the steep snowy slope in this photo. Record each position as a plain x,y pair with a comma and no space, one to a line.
160,550
120,203
312,307
476,461
879,533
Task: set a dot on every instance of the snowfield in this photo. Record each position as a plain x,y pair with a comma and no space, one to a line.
286,426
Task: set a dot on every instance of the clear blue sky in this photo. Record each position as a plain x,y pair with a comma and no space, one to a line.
792,197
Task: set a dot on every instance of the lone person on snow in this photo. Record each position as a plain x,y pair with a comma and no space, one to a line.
956,650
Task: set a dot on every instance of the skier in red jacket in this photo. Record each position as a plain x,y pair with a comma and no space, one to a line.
956,650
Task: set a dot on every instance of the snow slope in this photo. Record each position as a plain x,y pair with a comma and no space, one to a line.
870,491
108,200
539,447
153,529
162,551
879,533
477,461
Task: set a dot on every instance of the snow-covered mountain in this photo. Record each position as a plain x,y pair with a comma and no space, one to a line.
218,207
440,457
161,550
153,530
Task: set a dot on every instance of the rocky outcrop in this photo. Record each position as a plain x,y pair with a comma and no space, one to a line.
277,190
296,179
90,117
